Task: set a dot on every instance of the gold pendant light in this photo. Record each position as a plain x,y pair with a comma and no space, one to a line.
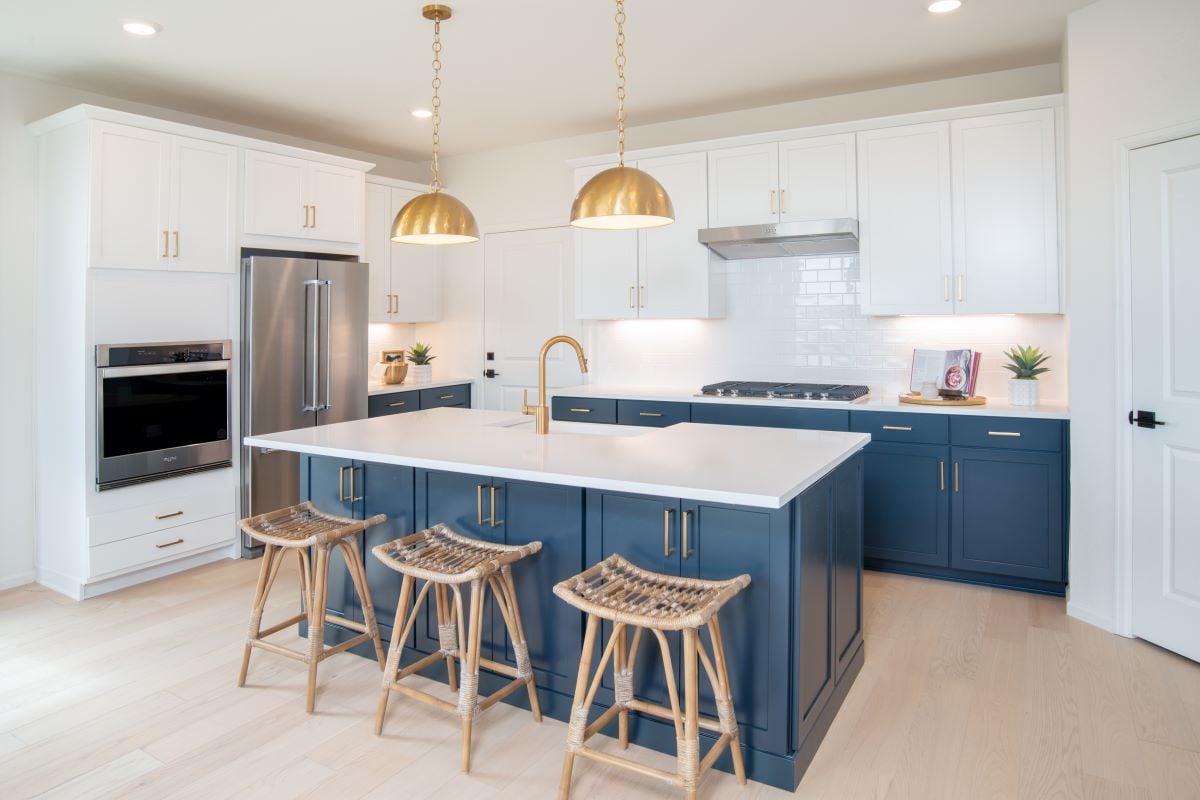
435,217
621,197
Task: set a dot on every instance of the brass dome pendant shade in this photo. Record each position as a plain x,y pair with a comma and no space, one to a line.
435,217
621,197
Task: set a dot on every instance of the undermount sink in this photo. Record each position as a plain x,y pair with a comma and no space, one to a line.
557,426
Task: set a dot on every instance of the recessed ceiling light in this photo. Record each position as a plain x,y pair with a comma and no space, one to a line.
422,113
140,27
944,6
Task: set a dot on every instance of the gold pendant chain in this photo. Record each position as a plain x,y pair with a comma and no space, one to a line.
436,184
620,62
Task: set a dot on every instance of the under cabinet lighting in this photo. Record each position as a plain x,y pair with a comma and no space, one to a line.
139,27
944,6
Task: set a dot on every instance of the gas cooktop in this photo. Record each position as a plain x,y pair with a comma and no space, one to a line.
829,392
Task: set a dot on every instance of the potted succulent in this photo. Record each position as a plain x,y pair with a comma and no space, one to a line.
1026,366
419,355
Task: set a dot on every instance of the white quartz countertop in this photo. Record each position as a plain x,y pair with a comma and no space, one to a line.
995,407
409,385
759,467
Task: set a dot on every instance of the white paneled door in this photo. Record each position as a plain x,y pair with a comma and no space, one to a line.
1165,250
529,296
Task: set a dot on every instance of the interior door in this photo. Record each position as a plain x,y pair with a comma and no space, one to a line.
129,197
528,297
1165,246
203,203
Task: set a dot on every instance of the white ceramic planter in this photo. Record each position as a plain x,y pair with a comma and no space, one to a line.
423,373
1023,391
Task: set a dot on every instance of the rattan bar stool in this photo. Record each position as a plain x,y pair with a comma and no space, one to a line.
300,528
631,597
446,560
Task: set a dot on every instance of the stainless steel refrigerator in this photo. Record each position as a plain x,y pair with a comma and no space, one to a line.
304,362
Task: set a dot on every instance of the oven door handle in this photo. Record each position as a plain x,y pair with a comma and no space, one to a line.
312,345
163,369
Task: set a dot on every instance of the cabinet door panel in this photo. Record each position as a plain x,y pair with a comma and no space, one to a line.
386,489
847,562
129,209
552,515
1008,515
1006,213
203,205
744,185
632,526
377,248
813,614
275,195
907,511
724,542
336,197
674,266
905,243
818,178
416,276
606,267
326,482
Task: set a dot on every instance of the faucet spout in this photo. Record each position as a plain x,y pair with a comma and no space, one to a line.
541,412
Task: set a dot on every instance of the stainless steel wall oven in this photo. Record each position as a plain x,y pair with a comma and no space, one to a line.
162,409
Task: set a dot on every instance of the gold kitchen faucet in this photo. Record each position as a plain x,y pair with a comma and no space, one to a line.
541,412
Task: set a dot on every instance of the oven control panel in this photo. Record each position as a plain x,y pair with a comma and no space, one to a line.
125,355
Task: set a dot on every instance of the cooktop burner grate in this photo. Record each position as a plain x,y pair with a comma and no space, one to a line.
833,392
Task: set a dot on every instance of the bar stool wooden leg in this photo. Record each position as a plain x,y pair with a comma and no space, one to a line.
316,621
689,746
623,686
447,632
726,715
256,610
358,576
395,648
520,643
579,710
468,688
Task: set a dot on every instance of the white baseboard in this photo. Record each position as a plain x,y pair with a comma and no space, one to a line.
79,590
63,584
1102,621
18,579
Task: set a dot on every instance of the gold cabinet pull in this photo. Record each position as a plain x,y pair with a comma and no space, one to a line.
400,404
946,288
341,484
580,410
897,427
445,397
941,475
641,297
687,515
956,477
667,512
169,544
496,523
631,304
783,201
1013,434
176,253
168,516
314,222
165,237
354,498
772,201
961,287
305,215
649,413
395,304
479,487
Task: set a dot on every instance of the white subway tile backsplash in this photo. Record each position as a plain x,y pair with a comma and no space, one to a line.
798,319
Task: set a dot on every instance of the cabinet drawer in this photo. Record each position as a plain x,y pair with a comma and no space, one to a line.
885,427
154,517
380,405
584,410
817,419
1008,433
166,545
446,396
652,414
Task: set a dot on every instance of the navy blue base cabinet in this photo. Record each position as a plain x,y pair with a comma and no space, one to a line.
793,638
403,401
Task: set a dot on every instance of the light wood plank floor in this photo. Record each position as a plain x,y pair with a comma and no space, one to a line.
966,693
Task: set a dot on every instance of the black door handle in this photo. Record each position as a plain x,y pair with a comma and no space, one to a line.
490,373
1144,419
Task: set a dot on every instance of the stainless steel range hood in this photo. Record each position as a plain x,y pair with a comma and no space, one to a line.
816,238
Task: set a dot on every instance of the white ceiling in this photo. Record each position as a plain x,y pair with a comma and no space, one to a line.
349,72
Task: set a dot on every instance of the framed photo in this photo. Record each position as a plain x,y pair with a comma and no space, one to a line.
390,356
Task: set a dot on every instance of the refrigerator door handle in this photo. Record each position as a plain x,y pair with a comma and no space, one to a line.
327,317
310,382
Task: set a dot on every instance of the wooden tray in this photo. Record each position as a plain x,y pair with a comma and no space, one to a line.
916,400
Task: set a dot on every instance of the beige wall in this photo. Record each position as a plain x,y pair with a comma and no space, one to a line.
23,100
1132,67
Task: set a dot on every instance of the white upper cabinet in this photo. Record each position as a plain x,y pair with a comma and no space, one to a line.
743,185
161,201
130,185
606,266
405,282
1005,213
904,209
818,179
297,198
674,268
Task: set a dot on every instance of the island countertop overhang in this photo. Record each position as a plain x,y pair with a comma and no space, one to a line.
758,467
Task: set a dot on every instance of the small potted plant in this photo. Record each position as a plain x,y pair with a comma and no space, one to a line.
419,355
1026,366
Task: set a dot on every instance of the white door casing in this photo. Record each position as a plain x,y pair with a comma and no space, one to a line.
528,297
1164,204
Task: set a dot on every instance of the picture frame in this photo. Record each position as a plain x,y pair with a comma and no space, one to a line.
391,356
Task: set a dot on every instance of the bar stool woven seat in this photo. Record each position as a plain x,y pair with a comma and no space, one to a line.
302,528
445,560
631,597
